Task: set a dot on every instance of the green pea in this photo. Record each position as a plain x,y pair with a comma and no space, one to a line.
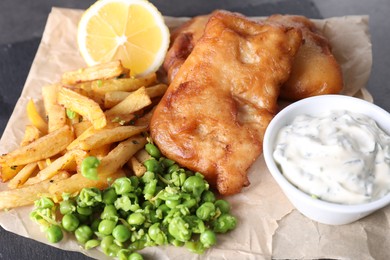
106,226
109,212
152,165
70,113
89,167
173,168
134,181
89,197
172,203
54,234
109,196
208,196
148,177
106,242
127,203
179,229
153,150
121,233
195,247
206,211
157,235
91,244
86,211
67,206
150,189
137,244
83,234
135,256
167,162
164,208
195,185
178,178
122,185
208,238
190,203
113,250
123,254
176,242
224,223
196,225
44,203
222,205
70,222
136,219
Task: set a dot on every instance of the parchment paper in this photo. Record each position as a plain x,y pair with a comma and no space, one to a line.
268,226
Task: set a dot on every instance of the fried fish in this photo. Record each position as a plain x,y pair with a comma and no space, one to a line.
183,40
315,69
214,114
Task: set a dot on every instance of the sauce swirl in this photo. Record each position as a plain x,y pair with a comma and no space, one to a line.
340,157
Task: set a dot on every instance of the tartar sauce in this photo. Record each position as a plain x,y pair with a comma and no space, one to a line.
339,156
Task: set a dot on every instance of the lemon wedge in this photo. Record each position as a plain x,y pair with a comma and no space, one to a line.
132,31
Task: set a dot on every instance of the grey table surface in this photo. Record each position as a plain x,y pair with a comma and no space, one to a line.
22,23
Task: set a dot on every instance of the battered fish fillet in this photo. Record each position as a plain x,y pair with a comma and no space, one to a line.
214,114
183,40
315,69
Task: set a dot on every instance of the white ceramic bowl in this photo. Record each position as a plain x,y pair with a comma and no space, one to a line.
315,209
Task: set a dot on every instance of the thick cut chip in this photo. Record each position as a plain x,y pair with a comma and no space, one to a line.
84,106
42,148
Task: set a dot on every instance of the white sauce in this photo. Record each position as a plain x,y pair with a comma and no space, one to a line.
340,156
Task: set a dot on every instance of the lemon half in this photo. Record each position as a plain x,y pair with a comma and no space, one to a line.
133,31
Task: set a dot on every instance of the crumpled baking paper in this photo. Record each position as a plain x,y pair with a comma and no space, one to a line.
268,225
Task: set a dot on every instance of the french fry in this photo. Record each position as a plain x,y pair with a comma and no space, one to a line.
27,195
7,172
138,168
81,127
85,89
132,103
109,169
145,119
42,164
56,166
142,155
77,182
108,136
82,105
22,176
42,148
101,151
113,98
121,154
123,84
105,100
101,71
31,134
35,118
55,112
76,142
